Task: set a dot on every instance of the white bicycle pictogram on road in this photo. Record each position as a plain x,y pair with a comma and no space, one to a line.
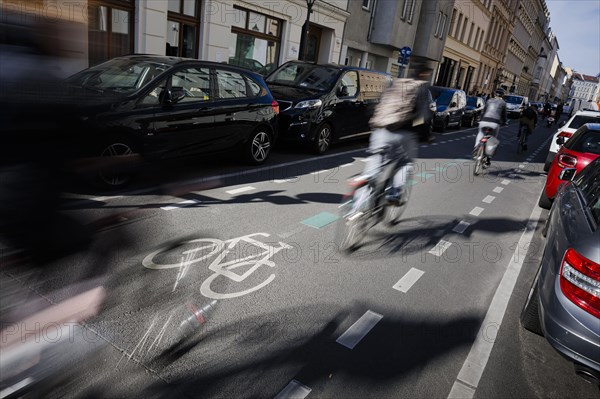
205,248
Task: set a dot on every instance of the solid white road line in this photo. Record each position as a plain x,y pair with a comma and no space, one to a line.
294,390
468,378
498,189
440,248
179,205
476,211
489,199
409,279
240,190
357,331
461,227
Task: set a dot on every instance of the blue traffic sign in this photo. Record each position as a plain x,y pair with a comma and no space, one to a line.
406,51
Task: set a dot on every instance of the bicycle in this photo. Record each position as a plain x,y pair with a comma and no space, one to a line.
485,150
366,204
521,143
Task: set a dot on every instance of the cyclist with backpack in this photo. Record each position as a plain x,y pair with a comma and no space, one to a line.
529,121
398,120
493,115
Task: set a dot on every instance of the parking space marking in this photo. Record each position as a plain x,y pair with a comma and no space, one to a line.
295,390
476,211
461,227
476,361
505,182
498,189
182,204
357,331
240,190
489,199
409,279
440,248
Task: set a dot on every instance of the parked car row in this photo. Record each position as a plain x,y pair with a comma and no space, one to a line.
564,301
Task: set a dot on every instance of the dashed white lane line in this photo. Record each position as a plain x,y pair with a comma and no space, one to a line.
461,227
357,331
489,199
476,211
363,159
280,181
522,166
440,248
240,190
409,279
505,182
294,390
319,171
498,189
346,165
470,374
106,198
179,205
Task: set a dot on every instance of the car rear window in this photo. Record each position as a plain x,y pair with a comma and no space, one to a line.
588,141
580,120
588,182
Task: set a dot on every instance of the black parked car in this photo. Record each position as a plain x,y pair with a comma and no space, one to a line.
473,111
451,105
167,107
322,104
564,301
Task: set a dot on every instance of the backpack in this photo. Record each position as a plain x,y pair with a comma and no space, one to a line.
397,104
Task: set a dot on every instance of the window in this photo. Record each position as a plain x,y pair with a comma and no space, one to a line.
153,98
231,85
366,4
182,29
458,26
350,82
255,41
195,82
471,34
588,181
452,22
464,30
110,30
408,10
441,25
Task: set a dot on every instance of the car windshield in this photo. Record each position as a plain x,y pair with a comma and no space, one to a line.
306,76
580,120
442,97
122,76
472,101
513,99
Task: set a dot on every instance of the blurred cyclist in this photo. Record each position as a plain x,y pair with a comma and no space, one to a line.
494,115
398,120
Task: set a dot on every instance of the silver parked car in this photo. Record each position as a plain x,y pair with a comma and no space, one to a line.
564,300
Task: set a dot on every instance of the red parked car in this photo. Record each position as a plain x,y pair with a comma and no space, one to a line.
581,149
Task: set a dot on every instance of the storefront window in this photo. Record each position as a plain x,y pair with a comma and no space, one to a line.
182,29
255,41
110,28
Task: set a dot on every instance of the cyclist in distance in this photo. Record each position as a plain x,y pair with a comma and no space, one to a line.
397,122
494,115
529,119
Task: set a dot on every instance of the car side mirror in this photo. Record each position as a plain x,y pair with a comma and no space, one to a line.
567,174
343,91
560,141
562,123
173,95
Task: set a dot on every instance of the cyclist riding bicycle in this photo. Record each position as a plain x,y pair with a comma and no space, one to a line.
399,118
494,115
529,120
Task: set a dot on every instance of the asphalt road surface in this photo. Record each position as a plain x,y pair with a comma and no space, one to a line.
427,308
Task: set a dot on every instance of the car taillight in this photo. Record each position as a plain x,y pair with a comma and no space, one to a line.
275,106
567,161
580,281
566,135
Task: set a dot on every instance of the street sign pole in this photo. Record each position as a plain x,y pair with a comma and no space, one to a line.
405,53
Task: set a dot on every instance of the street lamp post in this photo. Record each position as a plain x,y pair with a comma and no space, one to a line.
305,27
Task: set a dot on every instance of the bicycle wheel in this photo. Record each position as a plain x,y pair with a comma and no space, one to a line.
479,159
393,212
353,220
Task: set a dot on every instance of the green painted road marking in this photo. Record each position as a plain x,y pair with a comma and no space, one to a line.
320,220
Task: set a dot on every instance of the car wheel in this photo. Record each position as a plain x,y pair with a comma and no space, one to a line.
445,125
113,177
530,316
544,201
323,139
258,147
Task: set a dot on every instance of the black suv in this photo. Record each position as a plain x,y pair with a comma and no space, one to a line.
322,104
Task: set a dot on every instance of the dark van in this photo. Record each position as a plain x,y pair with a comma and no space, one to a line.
322,104
451,105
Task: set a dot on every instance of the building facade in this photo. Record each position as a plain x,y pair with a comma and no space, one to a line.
585,88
